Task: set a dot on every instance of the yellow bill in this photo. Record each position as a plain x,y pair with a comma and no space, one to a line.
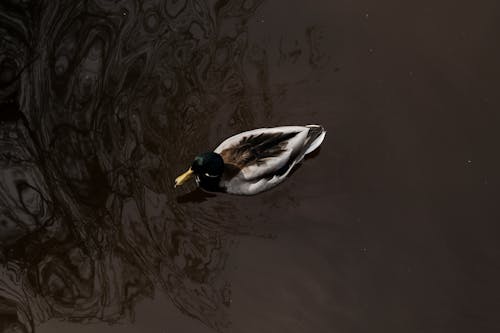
184,177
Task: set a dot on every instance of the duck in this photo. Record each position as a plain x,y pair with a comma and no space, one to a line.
253,161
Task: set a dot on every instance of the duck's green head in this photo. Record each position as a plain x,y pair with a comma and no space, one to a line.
206,165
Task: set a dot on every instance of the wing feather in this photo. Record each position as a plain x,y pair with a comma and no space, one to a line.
264,152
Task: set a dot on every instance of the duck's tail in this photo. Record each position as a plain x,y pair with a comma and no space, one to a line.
315,137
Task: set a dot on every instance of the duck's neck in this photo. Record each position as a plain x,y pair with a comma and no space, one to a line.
211,184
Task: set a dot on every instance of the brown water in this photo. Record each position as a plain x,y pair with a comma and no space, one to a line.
392,227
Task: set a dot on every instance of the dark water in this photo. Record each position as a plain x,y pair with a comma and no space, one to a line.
392,227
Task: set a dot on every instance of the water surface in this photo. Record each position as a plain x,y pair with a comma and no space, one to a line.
392,227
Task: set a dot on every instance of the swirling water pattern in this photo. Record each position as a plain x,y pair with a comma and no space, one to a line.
93,97
394,229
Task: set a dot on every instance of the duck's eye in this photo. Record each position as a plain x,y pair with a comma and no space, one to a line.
209,175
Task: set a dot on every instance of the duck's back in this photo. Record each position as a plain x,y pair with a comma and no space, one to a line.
259,159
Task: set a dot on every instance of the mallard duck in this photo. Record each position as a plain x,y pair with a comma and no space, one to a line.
253,161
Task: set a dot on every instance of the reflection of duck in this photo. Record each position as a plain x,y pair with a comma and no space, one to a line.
254,161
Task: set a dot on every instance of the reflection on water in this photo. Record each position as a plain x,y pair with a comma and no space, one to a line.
99,100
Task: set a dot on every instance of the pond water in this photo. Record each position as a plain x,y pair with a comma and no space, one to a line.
391,227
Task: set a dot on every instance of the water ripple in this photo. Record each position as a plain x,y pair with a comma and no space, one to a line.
103,102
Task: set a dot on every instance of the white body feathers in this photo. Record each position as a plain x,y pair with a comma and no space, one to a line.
258,177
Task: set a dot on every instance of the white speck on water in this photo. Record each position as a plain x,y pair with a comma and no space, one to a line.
469,161
364,249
